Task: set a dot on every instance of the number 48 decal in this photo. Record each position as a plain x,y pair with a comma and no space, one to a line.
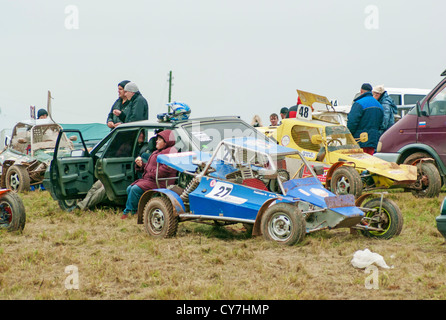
304,112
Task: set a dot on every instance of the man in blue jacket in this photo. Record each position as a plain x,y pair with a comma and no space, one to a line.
366,115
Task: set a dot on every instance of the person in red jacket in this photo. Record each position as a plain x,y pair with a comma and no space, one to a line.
165,141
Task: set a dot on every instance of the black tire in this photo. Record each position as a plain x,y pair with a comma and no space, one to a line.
68,205
17,179
160,220
12,212
390,219
428,178
346,180
283,223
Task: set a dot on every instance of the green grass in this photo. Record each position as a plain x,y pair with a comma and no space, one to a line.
116,259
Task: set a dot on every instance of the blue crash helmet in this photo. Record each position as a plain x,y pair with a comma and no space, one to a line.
177,111
180,111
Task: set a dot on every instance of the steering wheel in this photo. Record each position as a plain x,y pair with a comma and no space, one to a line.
334,142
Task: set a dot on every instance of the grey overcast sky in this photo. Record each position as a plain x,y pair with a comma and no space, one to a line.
231,57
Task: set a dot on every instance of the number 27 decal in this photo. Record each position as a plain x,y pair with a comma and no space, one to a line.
220,190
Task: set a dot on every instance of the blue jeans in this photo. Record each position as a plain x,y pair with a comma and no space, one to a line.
134,193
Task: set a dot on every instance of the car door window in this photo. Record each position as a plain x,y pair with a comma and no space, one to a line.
437,105
302,137
121,146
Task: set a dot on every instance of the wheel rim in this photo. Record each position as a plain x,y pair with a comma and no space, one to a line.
424,180
379,220
5,214
157,220
14,181
70,202
343,185
280,227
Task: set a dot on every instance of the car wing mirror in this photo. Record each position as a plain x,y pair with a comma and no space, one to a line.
422,113
363,137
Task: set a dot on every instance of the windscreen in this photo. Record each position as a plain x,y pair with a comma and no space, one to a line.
207,135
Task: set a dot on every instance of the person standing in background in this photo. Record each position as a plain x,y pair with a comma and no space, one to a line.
120,104
366,115
138,108
390,108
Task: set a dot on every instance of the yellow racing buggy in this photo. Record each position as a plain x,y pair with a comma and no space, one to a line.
321,138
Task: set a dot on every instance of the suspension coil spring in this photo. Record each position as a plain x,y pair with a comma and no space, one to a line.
190,187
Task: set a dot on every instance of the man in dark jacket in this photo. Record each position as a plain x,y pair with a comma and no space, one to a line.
366,115
120,104
164,145
138,109
390,108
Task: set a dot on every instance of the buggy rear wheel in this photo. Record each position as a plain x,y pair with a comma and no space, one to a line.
160,220
12,212
284,224
346,180
17,179
387,216
429,180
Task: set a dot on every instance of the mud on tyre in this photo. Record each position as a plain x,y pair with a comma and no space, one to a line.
159,218
17,179
346,180
283,223
387,216
429,180
12,212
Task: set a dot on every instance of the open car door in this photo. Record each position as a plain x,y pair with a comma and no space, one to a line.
71,170
115,165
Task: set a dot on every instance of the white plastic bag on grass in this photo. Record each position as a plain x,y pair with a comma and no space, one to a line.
364,258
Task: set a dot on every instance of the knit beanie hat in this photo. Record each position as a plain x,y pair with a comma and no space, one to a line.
366,86
123,83
131,87
41,112
379,89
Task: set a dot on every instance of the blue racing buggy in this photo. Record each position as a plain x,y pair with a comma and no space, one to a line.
240,183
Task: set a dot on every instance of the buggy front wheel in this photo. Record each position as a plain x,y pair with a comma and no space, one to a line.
283,223
346,180
17,179
160,220
385,221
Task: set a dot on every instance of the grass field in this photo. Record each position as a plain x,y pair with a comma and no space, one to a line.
115,259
